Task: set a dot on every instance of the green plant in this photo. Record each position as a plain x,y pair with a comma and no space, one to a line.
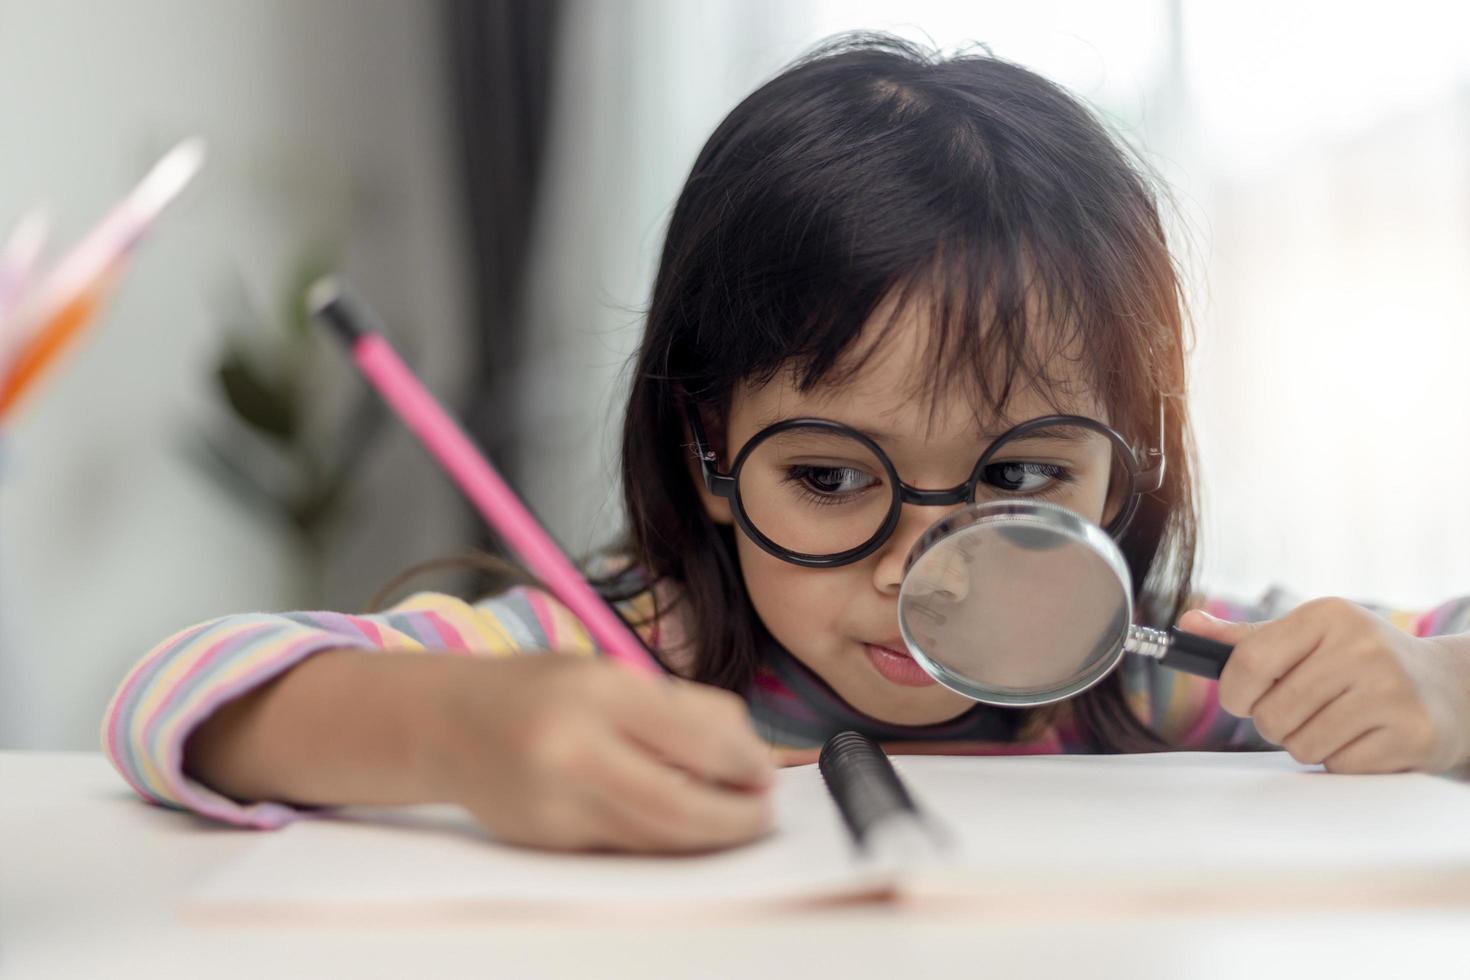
288,441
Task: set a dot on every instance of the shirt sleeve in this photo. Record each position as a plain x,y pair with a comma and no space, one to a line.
1445,620
1186,709
180,682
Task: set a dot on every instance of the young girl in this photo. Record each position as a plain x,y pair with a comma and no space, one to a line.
880,253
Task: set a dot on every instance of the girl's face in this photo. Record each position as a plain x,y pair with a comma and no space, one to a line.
842,622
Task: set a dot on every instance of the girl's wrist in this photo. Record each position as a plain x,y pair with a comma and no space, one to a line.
1456,651
344,727
434,744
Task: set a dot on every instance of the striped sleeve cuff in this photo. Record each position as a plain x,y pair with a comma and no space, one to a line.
1445,620
185,678
531,619
173,689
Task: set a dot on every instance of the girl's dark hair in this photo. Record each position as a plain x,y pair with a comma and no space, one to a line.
873,169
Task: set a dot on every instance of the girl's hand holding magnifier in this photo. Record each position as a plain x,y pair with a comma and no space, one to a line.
1332,683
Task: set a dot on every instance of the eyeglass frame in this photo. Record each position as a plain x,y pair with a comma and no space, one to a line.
1143,478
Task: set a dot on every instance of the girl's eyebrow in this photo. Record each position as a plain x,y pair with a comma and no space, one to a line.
1059,433
877,435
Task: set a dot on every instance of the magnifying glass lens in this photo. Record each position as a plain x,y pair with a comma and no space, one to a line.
1015,606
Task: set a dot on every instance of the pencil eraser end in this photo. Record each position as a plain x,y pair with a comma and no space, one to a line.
322,294
325,301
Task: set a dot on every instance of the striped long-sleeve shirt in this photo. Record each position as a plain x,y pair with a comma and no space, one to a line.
181,681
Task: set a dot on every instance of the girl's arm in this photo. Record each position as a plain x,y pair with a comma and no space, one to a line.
219,676
343,727
241,718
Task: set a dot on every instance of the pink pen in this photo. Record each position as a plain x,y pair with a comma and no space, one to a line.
469,468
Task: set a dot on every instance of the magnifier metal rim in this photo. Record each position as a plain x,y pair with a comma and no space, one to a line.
1038,513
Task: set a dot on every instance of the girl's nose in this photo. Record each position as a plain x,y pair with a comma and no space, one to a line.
949,578
943,576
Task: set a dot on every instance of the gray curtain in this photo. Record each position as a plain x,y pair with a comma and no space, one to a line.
501,63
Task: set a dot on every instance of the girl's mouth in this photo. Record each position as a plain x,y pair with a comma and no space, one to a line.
896,667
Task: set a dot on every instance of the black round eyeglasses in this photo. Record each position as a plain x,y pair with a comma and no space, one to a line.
819,493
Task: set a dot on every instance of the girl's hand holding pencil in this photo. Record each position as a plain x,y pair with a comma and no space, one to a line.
566,753
553,751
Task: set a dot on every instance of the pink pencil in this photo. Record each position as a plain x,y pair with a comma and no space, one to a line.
474,474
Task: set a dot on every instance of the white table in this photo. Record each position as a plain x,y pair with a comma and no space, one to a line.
91,881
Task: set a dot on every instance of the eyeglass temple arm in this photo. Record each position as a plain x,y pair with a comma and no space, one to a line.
1150,476
716,483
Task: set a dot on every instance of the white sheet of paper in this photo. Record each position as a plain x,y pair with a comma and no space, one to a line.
1186,822
438,860
1034,825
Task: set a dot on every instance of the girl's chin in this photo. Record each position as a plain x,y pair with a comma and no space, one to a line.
916,715
896,705
866,691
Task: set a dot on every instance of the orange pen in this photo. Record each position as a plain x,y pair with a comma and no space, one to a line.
53,314
42,350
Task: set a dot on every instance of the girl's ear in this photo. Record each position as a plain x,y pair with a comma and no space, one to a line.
718,508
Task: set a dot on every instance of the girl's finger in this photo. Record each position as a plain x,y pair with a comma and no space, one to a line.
605,823
1293,700
588,812
797,757
702,730
1341,721
618,828
1212,627
1262,657
1374,751
672,811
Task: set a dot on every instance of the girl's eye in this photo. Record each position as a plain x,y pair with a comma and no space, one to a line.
831,481
1019,476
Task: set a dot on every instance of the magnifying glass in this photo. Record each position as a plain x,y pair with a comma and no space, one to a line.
1023,603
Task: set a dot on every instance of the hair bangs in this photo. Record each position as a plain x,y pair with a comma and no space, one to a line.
997,317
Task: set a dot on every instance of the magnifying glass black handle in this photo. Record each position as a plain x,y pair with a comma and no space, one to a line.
1194,654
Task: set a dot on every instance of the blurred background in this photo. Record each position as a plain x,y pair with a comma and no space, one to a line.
495,178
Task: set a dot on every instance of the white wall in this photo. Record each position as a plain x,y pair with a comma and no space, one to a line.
109,539
1332,165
